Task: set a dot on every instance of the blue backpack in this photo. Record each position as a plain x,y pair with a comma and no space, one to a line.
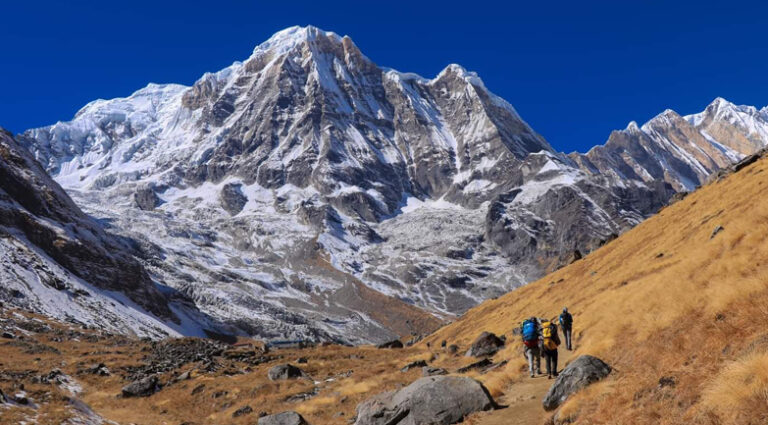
529,331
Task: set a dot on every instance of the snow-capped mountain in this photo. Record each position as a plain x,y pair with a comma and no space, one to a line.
56,260
683,151
308,193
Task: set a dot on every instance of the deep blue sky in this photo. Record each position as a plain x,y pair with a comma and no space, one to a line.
575,70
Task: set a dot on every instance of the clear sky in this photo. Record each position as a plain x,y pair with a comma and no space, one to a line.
575,70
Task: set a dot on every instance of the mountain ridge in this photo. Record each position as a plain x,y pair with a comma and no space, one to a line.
433,192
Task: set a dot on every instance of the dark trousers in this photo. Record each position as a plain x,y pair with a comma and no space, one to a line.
551,357
567,335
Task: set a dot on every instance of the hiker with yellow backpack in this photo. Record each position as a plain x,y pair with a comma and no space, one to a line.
549,343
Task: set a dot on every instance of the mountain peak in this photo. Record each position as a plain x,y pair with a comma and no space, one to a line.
283,41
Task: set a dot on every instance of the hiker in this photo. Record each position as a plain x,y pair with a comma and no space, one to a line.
549,343
566,322
530,332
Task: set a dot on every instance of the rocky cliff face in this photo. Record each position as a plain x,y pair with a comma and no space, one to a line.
286,193
682,151
59,261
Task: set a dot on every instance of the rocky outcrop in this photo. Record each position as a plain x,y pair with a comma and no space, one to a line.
395,343
438,400
285,372
284,418
232,198
580,373
146,198
35,211
487,344
144,387
433,371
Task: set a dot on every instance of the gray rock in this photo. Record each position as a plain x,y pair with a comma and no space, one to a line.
580,373
433,371
285,371
284,418
487,344
142,388
245,410
436,400
232,198
146,198
391,344
411,365
717,230
481,364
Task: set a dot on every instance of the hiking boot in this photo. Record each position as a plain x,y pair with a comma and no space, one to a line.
549,376
532,375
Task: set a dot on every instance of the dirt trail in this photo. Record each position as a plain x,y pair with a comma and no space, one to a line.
522,400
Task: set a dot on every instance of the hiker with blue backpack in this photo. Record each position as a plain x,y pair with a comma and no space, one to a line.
531,336
566,322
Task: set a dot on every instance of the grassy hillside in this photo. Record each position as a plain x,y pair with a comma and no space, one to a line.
668,299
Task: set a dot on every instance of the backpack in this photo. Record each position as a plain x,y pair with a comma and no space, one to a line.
530,336
547,331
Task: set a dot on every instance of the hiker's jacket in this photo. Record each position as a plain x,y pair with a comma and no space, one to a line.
566,320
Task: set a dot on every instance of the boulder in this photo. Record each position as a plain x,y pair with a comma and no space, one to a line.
436,400
284,418
580,373
391,344
232,198
285,371
142,388
487,344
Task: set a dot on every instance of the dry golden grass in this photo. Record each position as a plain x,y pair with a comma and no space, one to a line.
664,299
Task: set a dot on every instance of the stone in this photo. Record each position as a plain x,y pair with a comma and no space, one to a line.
480,364
487,344
8,335
411,365
391,344
284,418
142,388
580,373
245,410
436,400
433,371
667,381
146,198
717,230
285,371
232,198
